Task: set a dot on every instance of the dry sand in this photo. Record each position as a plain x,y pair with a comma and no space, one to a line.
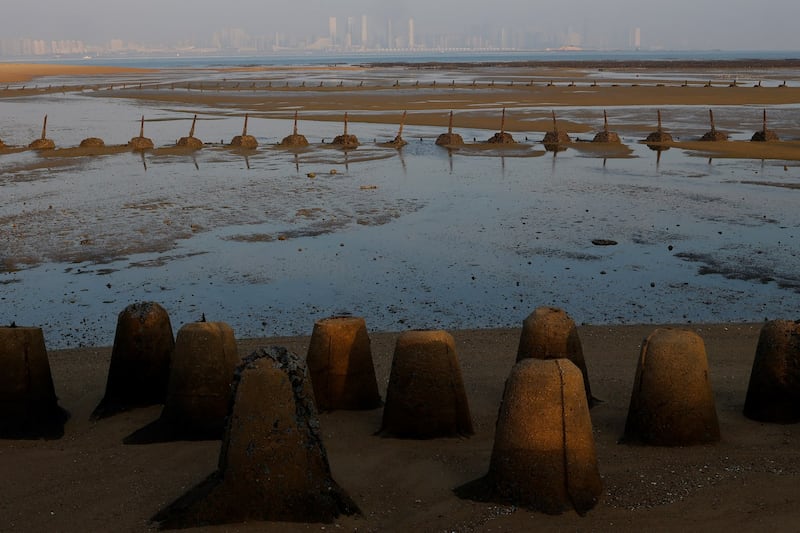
90,481
22,72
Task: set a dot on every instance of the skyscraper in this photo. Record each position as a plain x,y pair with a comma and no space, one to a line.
363,31
332,29
411,33
348,38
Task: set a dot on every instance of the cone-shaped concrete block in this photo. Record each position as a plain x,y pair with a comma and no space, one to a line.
544,455
203,364
550,333
273,465
199,390
139,369
426,397
672,403
340,365
773,394
28,404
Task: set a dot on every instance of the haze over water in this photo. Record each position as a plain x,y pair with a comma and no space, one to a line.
676,25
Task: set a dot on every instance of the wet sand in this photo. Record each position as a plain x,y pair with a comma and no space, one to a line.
90,481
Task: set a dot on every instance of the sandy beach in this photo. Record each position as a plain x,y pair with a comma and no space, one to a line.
89,480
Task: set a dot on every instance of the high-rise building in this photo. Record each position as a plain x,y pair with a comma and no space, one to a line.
411,43
332,29
348,38
637,38
389,34
364,40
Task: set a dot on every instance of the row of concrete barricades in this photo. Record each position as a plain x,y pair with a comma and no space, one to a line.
265,406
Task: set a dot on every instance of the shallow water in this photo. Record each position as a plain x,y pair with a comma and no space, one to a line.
420,238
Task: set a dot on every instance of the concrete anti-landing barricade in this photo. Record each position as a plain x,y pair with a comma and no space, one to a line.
340,365
773,394
28,404
672,403
139,370
425,397
544,455
273,465
550,333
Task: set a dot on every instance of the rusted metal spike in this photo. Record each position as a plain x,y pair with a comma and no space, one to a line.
402,122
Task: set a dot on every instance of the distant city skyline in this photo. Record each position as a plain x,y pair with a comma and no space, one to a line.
113,25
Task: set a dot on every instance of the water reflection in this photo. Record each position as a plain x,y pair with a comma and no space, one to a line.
555,147
402,157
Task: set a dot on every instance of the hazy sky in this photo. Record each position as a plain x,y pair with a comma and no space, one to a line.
678,24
